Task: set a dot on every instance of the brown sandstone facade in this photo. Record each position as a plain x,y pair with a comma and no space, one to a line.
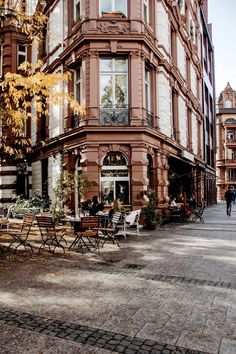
138,71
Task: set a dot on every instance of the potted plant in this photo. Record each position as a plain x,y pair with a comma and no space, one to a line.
149,212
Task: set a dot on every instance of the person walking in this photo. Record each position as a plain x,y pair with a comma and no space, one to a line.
230,198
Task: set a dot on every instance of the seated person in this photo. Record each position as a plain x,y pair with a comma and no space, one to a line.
172,202
116,206
95,206
87,206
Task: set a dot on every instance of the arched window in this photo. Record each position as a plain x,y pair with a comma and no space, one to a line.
115,179
228,104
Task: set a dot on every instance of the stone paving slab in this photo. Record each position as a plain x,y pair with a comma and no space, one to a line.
172,291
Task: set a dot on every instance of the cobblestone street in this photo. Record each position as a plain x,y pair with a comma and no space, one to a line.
168,291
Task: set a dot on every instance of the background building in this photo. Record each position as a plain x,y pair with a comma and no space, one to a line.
138,70
226,138
207,173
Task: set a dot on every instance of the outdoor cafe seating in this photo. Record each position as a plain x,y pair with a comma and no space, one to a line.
52,237
20,237
86,231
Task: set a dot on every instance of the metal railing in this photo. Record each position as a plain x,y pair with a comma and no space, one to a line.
114,116
149,118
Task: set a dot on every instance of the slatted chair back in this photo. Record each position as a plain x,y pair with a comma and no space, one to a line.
90,222
52,237
116,217
45,222
27,222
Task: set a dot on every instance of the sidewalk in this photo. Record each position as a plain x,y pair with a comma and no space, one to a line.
169,291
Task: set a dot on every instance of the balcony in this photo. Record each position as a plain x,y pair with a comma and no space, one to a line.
114,116
227,110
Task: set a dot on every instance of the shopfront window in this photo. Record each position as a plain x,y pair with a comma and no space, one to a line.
115,179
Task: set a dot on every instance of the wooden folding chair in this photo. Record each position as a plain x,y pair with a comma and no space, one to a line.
51,236
20,237
87,233
110,231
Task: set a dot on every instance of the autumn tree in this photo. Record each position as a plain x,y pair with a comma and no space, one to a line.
28,93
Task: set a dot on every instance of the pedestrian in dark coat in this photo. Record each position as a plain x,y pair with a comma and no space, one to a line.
230,198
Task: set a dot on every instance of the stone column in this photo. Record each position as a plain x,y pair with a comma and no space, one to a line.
136,94
139,180
93,114
90,167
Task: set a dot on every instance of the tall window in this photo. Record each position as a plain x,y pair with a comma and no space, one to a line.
174,122
188,75
22,54
148,99
114,91
147,89
180,5
115,179
77,10
78,84
78,92
173,46
109,6
189,129
146,11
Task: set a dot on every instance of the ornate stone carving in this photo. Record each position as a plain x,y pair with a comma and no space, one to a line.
120,28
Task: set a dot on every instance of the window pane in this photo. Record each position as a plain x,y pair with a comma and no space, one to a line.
120,6
106,5
121,90
106,90
122,191
22,48
21,59
106,65
121,65
114,159
78,11
107,192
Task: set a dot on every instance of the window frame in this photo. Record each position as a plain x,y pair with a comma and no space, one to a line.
115,179
148,89
113,74
19,52
78,83
76,3
146,14
113,8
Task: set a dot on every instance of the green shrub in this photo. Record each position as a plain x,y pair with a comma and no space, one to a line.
150,211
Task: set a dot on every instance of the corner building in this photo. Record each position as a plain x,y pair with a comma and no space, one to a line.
137,71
